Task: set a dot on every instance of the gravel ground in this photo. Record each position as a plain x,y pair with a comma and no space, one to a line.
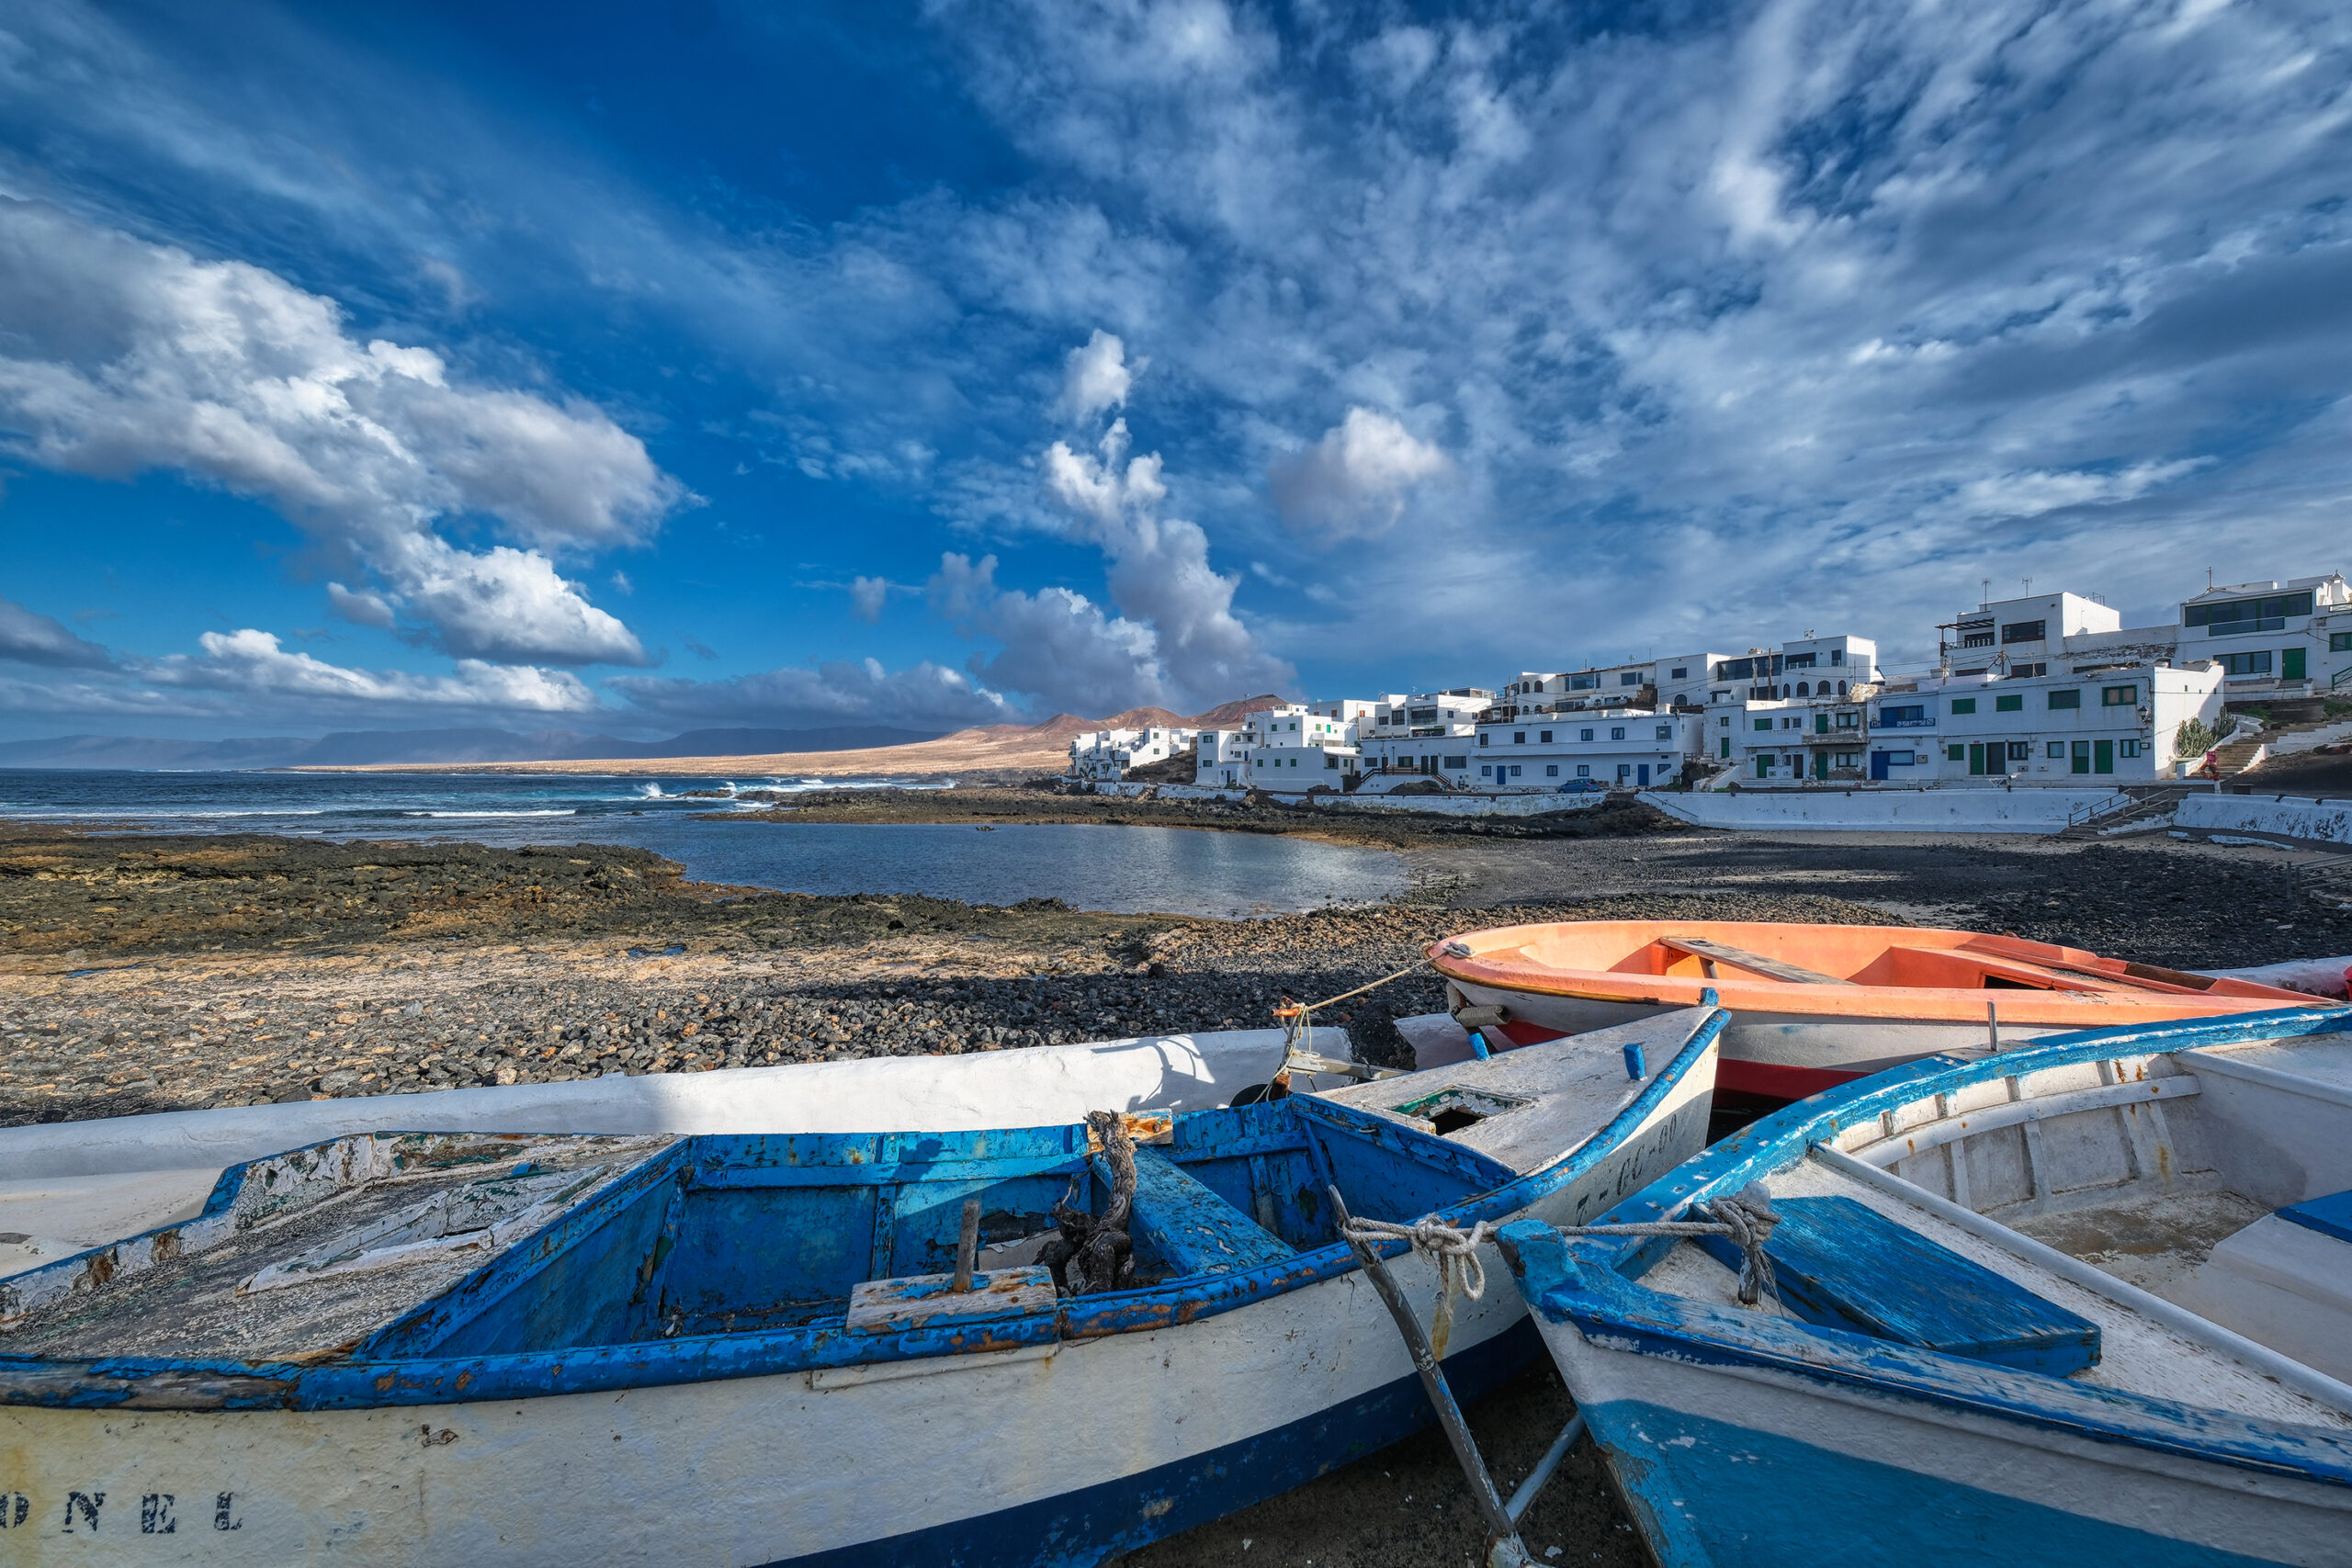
151,974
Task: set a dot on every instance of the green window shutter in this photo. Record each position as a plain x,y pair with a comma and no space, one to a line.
2014,703
1964,705
1955,753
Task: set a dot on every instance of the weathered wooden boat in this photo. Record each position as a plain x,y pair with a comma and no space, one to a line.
1815,1006
423,1348
2089,1301
65,1186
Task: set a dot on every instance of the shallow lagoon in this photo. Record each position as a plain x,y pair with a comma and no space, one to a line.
1121,869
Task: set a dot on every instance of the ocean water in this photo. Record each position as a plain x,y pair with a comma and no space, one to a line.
1122,869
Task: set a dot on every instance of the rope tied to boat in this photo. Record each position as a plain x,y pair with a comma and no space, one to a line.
1093,1252
1746,1217
1460,1271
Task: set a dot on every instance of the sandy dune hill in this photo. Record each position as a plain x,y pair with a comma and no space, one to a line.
994,748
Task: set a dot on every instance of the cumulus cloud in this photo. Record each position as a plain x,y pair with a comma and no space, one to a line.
360,607
925,697
1095,378
125,356
29,637
1159,573
505,603
1055,644
866,597
1353,483
253,663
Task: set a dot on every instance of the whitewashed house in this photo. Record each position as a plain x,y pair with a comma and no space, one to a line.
1792,714
1611,747
1104,756
2095,724
1293,748
1428,733
2273,640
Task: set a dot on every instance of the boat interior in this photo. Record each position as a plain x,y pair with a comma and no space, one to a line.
2205,1189
437,1246
1900,956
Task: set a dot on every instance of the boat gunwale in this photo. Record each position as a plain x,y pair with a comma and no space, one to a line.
223,1383
1595,1282
1857,1001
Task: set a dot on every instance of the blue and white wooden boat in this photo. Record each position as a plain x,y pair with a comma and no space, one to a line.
67,1186
429,1348
2086,1302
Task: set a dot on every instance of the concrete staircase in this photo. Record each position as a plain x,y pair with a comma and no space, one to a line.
2151,806
2279,740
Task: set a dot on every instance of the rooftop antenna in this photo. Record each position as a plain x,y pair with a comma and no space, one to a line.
1986,593
2209,579
2028,587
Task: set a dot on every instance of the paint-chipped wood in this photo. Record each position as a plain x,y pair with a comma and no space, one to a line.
1190,1229
1841,1264
930,1301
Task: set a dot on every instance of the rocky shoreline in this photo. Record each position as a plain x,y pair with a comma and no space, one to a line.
145,974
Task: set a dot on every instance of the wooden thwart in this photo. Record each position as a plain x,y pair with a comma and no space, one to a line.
1193,1229
916,1300
1772,968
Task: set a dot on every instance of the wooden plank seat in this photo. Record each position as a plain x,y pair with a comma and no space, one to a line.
1843,1265
1188,1227
1739,957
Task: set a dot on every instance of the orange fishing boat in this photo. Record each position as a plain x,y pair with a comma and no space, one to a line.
1814,1005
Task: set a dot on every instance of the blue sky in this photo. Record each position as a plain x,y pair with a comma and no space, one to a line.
649,367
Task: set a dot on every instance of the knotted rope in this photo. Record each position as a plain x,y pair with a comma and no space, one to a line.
1745,1217
1093,1252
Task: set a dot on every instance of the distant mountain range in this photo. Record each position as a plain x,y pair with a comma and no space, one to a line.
461,748
425,746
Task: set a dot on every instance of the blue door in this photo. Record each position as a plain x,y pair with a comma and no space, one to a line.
1879,763
1644,779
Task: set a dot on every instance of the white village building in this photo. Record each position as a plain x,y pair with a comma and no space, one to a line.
1428,733
2273,640
1105,755
1613,748
1294,747
2092,723
1792,714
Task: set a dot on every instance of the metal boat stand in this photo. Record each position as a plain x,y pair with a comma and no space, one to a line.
1504,1548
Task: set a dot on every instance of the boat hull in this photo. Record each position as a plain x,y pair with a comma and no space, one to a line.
1752,1466
1065,1452
1781,1055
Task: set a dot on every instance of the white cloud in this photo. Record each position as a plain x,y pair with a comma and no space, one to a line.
866,597
252,663
127,357
1055,645
1160,576
1095,378
925,697
1353,483
505,603
27,636
2030,493
360,607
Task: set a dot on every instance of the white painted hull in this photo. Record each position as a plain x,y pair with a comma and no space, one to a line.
86,1183
1980,1488
959,1458
1837,1044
